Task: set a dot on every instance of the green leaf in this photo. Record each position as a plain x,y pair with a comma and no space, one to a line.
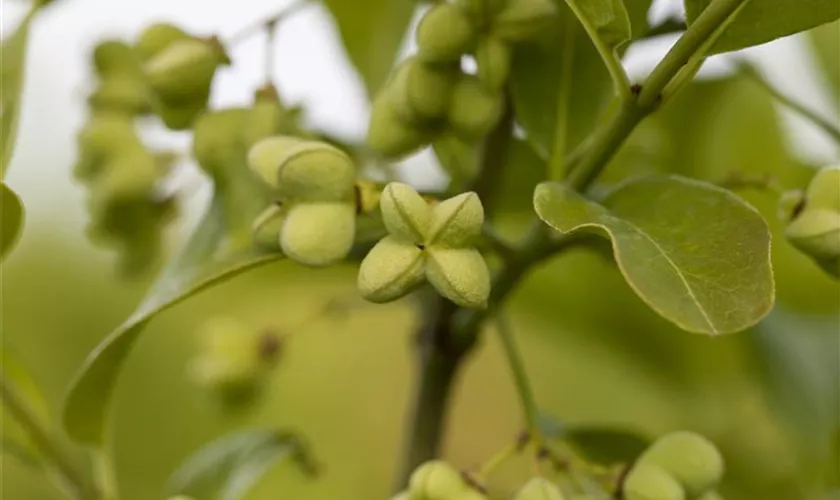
637,11
12,65
602,444
228,467
372,32
523,170
696,254
535,82
761,21
604,20
219,249
605,445
11,219
458,158
15,439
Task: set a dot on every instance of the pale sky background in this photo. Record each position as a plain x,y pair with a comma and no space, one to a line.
311,69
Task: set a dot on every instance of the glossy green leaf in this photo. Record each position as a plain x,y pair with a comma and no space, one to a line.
761,21
229,467
12,66
219,249
696,254
11,218
17,378
372,32
606,20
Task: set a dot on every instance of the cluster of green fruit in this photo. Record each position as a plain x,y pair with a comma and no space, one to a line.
234,361
315,224
432,242
678,466
813,219
314,184
127,208
429,97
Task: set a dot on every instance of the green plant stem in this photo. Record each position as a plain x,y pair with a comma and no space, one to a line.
106,479
520,379
557,163
608,140
267,22
829,128
71,481
621,83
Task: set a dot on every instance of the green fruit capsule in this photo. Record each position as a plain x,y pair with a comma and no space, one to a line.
184,69
318,234
460,275
389,134
303,169
523,19
436,480
650,482
392,269
181,115
268,117
115,58
711,495
493,57
817,233
121,95
156,38
216,141
824,190
690,458
229,360
266,228
445,33
405,213
539,488
457,222
474,110
403,495
103,136
428,88
481,12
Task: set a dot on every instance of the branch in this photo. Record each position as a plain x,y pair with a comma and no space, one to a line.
520,379
829,128
690,46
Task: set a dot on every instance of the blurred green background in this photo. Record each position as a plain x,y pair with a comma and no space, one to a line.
595,354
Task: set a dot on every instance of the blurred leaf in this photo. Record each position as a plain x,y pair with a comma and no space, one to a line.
536,81
458,158
606,445
522,171
604,20
637,11
16,440
372,32
696,254
12,66
826,43
761,21
11,218
601,444
219,249
798,356
228,468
